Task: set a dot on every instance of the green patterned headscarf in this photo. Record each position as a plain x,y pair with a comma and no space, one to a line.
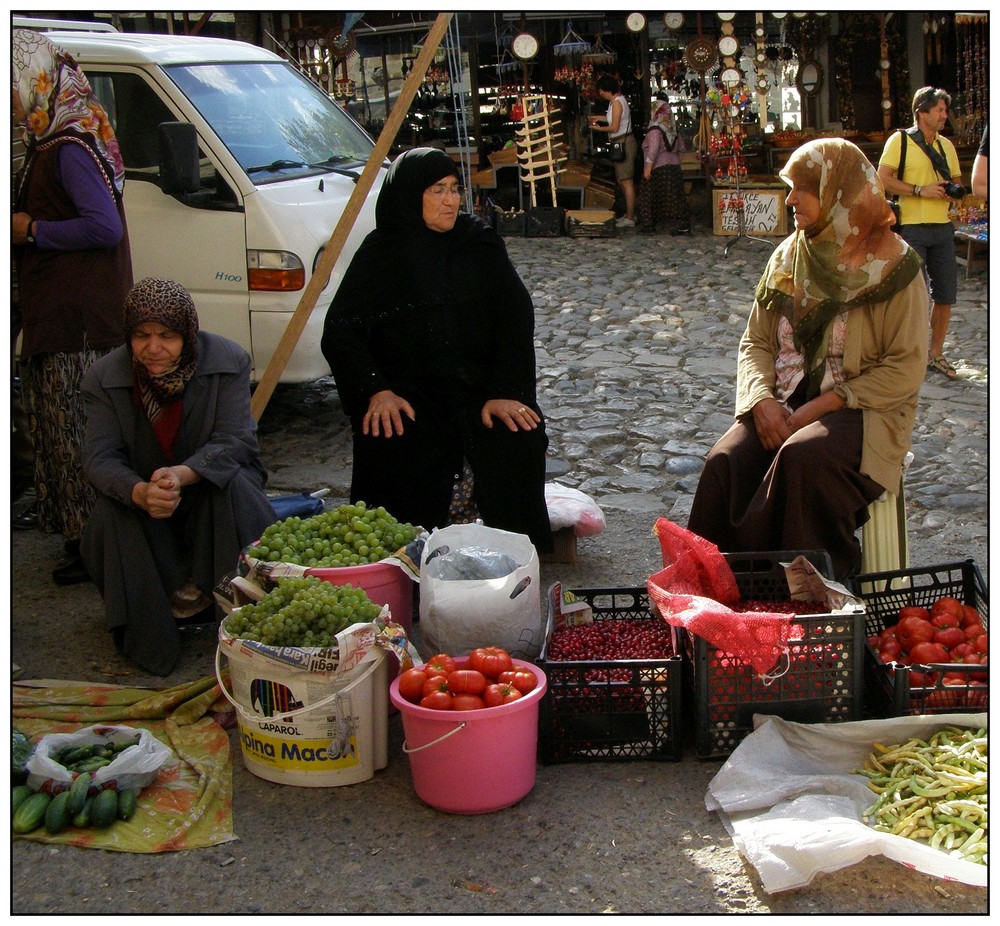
849,258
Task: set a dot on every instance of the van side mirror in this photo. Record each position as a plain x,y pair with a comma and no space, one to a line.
179,173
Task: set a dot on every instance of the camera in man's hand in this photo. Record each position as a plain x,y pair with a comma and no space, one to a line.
955,190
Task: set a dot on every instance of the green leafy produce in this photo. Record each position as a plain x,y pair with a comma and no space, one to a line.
302,611
351,535
21,750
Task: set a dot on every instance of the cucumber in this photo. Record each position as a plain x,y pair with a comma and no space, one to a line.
57,815
73,754
19,794
127,801
31,814
78,792
91,765
104,809
82,819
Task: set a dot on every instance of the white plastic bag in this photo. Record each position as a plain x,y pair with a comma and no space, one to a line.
459,614
790,799
132,769
572,508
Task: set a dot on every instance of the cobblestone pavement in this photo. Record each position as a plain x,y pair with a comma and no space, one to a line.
636,340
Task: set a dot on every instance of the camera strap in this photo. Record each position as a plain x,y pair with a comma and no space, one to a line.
937,158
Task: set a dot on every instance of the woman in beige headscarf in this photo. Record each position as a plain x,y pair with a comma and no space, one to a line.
829,371
661,194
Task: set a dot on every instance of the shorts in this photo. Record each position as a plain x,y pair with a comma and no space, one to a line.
625,170
935,243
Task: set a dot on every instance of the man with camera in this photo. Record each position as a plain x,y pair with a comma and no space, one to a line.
920,167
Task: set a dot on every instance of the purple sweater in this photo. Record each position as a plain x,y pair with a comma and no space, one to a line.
98,225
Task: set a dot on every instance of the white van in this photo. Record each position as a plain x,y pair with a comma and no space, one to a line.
237,170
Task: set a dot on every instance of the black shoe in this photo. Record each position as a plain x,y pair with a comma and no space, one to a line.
70,570
28,519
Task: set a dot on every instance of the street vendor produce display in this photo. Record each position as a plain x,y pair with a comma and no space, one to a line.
945,639
350,535
488,678
302,611
934,792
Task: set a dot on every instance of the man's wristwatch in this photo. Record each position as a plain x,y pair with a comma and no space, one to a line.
28,235
916,190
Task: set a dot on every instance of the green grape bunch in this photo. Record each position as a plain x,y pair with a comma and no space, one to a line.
351,535
302,611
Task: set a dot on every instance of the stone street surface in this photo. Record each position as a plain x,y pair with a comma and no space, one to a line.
636,343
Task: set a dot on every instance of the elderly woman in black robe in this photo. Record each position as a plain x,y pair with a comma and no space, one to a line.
171,450
430,339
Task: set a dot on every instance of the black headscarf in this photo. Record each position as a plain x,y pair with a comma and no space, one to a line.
454,294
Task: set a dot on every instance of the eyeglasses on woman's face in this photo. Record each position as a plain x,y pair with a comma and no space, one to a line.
440,190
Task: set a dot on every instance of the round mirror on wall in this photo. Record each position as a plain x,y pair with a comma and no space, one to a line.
809,78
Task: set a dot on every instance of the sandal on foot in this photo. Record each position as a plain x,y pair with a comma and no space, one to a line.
941,365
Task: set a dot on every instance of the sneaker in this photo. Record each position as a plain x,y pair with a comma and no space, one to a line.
624,222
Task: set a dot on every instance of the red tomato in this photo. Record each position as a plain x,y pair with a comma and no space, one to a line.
466,681
924,653
411,685
436,683
490,660
913,630
972,631
441,664
522,679
969,616
438,701
914,611
497,694
982,644
953,693
947,605
945,619
922,679
949,637
467,702
887,656
891,647
963,650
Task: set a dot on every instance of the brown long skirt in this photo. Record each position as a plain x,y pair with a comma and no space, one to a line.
808,495
661,200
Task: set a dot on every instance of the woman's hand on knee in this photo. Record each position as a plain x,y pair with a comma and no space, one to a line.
384,417
517,416
770,418
815,409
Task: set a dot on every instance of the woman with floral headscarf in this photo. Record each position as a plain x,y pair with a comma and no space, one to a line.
661,194
171,449
829,371
74,268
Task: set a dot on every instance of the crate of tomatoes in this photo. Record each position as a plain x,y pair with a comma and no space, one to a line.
927,643
614,678
820,680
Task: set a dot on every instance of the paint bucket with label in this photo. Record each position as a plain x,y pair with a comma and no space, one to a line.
300,721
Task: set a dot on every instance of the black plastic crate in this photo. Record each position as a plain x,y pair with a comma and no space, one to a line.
545,221
890,690
510,224
610,709
821,682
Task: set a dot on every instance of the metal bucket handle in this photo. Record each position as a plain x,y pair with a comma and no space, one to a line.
247,715
443,736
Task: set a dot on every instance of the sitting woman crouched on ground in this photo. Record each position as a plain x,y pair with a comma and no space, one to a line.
828,375
171,450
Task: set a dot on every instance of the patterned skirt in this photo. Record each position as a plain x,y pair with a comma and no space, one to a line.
661,200
52,397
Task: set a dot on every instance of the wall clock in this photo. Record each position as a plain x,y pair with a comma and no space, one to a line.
636,22
673,21
524,45
701,53
728,46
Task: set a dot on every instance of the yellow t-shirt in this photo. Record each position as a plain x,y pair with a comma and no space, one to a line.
919,170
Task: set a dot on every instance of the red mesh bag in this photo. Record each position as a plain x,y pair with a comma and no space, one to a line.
694,590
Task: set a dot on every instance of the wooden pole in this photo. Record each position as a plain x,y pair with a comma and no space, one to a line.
321,276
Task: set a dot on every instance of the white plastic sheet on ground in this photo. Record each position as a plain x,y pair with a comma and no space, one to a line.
789,799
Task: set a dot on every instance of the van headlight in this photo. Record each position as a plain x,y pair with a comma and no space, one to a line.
275,271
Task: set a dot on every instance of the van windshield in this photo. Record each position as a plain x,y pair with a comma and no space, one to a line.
273,120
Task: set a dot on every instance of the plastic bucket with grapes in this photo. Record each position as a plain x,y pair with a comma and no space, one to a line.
384,583
301,721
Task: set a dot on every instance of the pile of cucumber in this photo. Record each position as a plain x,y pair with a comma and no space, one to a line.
75,806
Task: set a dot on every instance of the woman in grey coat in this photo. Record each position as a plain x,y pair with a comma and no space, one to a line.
171,450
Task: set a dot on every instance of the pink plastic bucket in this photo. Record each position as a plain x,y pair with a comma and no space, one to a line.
384,583
472,761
